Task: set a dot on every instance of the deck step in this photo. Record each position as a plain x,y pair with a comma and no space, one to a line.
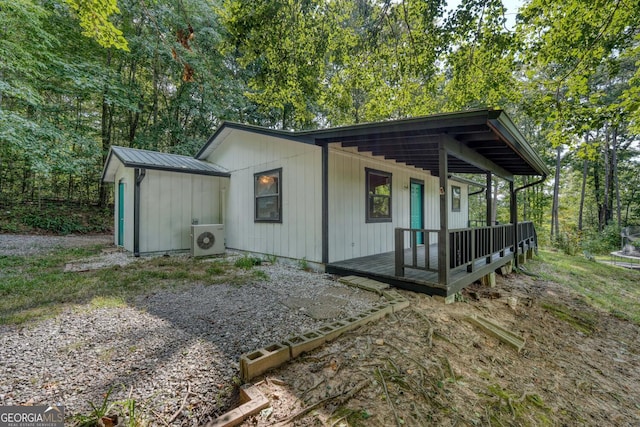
364,283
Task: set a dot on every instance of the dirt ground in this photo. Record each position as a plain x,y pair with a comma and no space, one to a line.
427,365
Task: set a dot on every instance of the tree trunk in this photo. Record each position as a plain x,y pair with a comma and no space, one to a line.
614,173
555,226
106,122
604,213
585,168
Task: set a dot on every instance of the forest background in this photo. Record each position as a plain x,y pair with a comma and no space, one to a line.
78,76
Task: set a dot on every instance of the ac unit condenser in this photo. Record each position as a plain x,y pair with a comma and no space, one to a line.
207,239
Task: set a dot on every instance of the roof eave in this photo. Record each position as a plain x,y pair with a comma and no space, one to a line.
226,125
105,168
502,124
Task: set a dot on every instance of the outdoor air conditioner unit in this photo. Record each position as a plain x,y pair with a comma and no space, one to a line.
207,239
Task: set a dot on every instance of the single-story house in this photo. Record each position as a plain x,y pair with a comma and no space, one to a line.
375,199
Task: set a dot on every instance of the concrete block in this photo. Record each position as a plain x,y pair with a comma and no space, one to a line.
364,283
400,305
332,331
259,361
306,342
384,309
358,320
373,286
392,295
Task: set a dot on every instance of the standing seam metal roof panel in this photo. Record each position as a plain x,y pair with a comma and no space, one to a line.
133,157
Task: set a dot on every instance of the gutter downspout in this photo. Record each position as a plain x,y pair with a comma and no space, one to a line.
139,175
514,213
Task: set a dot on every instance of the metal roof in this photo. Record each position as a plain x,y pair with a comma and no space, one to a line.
137,158
476,141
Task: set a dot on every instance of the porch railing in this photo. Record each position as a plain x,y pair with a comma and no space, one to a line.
466,246
424,262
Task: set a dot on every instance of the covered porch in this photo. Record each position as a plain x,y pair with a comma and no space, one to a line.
473,146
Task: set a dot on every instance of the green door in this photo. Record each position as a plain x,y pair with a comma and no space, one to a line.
121,214
417,208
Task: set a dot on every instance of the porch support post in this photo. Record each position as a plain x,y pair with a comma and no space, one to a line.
443,233
514,220
489,196
325,203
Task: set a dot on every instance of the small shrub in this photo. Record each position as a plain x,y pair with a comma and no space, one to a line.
215,269
568,241
260,275
602,242
247,262
62,224
303,264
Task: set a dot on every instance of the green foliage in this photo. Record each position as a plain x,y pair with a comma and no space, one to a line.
602,242
260,275
606,287
94,19
506,404
217,268
303,264
247,262
97,412
579,320
55,217
568,241
124,409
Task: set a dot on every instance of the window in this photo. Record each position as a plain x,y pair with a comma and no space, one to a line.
378,196
268,195
455,198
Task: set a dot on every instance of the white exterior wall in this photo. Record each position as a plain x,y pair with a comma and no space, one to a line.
125,175
170,201
350,236
299,235
459,219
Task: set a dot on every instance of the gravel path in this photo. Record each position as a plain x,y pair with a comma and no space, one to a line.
17,244
163,346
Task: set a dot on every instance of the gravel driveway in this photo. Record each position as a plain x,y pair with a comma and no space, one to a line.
175,352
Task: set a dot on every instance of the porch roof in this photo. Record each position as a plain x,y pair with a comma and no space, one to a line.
476,141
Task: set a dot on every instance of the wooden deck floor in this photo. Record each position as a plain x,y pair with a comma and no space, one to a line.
381,267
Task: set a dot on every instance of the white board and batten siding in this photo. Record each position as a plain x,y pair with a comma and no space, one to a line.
170,202
245,154
350,236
